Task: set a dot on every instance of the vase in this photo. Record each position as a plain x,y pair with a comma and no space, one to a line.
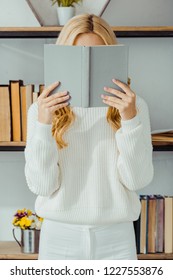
29,240
64,14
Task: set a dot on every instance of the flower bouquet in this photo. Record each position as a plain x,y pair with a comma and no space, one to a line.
26,219
30,225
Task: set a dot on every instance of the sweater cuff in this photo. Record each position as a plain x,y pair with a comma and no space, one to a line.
130,124
44,131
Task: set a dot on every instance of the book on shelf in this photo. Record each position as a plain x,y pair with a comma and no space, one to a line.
26,95
15,109
41,88
168,241
162,135
159,224
151,220
35,95
143,224
85,71
5,114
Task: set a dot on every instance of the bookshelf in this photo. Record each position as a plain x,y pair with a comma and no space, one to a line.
9,249
53,31
20,146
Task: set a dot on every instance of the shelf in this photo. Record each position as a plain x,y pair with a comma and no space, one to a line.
53,31
162,148
20,146
12,146
156,256
10,250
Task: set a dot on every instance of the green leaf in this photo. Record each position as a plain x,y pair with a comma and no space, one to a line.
65,3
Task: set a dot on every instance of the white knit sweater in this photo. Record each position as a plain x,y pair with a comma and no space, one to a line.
92,181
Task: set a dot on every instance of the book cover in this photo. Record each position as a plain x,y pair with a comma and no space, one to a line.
84,71
168,241
26,94
15,109
5,114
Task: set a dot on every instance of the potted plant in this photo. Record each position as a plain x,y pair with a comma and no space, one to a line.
65,9
30,225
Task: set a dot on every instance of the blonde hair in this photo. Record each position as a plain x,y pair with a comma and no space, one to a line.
80,24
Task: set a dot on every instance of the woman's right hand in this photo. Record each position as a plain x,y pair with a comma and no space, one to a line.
47,105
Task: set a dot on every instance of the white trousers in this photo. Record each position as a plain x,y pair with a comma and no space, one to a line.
59,241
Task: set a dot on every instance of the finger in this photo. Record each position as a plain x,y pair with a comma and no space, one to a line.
54,96
113,104
117,93
123,86
59,106
57,101
112,99
47,90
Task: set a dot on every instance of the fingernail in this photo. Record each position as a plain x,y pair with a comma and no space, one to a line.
102,96
105,88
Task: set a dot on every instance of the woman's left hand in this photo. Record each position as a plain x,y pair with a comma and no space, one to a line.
124,102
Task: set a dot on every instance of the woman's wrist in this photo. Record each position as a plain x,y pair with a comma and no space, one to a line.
130,124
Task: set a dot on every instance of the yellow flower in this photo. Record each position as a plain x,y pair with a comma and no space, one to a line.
29,212
16,222
40,219
25,222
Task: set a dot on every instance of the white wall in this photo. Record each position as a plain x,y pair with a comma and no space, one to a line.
16,13
150,67
21,58
14,191
139,12
151,71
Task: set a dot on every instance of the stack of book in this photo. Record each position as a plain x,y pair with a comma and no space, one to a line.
154,228
162,137
15,99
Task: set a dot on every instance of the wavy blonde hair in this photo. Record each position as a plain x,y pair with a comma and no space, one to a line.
80,24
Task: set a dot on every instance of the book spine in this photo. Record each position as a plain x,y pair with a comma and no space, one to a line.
5,114
85,90
15,109
159,224
143,224
136,225
168,240
151,224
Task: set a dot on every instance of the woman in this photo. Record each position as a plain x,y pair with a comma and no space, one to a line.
86,164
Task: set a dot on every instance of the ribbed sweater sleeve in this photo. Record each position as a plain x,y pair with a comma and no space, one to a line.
135,166
41,156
